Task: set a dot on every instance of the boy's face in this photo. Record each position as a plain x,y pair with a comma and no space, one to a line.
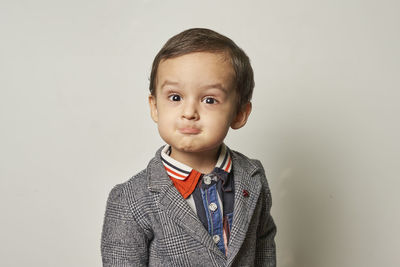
196,102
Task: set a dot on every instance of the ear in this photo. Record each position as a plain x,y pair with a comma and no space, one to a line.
241,117
153,108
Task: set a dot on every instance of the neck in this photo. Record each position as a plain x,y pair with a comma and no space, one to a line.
203,161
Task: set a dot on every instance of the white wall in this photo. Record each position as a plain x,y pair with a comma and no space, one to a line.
74,120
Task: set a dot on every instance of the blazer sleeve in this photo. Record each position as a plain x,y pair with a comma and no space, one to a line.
265,244
123,242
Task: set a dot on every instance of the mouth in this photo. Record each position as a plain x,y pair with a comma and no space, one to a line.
189,130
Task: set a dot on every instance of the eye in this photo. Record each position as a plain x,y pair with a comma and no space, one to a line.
209,100
174,97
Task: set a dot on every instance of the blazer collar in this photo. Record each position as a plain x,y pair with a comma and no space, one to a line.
156,175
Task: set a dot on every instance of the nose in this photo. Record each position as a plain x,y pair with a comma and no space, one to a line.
190,111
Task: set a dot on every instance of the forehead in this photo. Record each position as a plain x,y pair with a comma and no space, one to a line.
197,69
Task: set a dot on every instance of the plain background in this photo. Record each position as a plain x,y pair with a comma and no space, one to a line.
325,122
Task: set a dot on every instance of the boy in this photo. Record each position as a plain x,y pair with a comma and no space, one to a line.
197,203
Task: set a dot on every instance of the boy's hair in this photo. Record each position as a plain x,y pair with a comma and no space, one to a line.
205,40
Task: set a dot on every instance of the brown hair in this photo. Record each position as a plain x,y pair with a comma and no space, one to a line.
205,40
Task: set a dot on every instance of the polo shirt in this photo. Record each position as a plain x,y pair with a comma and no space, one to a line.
211,196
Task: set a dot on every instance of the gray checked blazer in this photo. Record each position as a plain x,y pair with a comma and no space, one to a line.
148,223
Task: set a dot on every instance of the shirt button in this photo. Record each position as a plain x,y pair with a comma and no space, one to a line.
216,238
213,206
207,179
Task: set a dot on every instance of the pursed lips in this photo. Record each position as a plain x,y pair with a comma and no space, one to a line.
189,130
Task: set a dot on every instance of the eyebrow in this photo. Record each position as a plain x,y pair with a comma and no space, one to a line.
215,86
167,82
204,87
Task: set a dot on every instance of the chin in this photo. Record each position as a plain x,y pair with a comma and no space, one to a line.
186,148
193,148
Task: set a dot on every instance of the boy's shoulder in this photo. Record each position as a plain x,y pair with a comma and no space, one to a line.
245,162
132,190
139,182
253,167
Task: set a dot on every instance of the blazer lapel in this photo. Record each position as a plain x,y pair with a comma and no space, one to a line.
247,190
175,206
180,212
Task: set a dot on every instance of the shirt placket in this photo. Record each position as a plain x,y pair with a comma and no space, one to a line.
214,215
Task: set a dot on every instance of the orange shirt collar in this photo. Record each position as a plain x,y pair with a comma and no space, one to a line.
186,178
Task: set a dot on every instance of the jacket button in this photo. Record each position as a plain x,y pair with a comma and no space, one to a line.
213,206
216,238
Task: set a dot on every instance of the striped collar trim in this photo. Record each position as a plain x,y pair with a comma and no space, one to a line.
180,171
